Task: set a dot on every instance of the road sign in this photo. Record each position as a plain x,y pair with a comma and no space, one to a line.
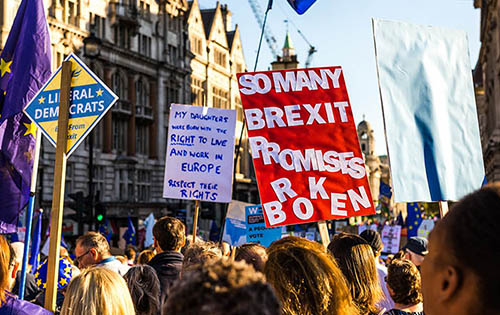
90,99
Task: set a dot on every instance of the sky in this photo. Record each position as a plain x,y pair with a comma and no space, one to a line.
341,32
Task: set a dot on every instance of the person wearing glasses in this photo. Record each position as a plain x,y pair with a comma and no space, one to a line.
92,249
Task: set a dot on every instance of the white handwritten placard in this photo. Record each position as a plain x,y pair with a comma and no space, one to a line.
200,153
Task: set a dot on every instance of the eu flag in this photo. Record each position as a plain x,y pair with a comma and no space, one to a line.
129,234
35,245
385,190
301,6
24,68
413,219
106,231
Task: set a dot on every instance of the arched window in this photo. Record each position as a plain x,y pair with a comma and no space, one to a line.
119,86
142,93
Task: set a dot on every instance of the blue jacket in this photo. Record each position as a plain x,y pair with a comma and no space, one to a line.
14,306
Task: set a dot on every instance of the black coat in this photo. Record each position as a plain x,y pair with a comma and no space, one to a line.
168,266
31,290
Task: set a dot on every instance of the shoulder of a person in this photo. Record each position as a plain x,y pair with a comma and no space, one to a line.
15,306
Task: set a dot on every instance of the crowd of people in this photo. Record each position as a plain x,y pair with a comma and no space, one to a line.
455,273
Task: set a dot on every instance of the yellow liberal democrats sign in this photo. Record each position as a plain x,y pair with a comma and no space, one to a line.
90,99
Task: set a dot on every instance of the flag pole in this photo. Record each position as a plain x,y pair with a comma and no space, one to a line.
443,208
29,216
56,214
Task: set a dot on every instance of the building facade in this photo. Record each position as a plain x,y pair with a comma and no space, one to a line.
487,87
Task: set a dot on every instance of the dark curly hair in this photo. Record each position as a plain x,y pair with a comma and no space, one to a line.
222,287
144,288
403,278
199,253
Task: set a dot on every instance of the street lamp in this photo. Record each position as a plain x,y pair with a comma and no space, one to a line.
91,50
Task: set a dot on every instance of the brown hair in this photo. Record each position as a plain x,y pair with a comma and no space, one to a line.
144,288
306,279
169,233
253,253
94,240
199,253
222,287
6,260
145,256
356,260
97,291
471,234
403,278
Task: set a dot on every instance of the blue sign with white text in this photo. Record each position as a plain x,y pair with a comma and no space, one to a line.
256,227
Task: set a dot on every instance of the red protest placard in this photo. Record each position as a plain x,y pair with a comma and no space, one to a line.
304,145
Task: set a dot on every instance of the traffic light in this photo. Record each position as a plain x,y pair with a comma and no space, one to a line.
100,213
82,207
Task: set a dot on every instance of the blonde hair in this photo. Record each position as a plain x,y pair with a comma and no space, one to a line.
98,291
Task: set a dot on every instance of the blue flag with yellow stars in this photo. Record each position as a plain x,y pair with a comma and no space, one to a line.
301,6
65,274
129,234
24,68
413,219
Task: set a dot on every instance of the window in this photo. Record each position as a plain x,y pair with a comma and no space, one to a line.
99,181
144,185
196,45
96,133
144,45
70,173
120,135
119,86
71,9
172,54
239,108
144,9
219,98
122,37
98,25
142,139
143,107
220,58
239,68
198,95
173,24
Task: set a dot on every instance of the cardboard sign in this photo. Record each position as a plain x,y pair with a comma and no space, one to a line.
256,227
429,109
200,150
391,237
90,99
304,145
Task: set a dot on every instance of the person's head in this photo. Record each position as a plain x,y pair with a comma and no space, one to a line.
8,268
97,291
189,241
253,253
199,253
90,249
373,239
403,282
461,275
169,234
306,279
222,287
144,288
130,253
145,256
355,258
18,248
415,250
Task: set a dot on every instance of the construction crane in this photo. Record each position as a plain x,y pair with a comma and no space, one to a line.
269,37
311,50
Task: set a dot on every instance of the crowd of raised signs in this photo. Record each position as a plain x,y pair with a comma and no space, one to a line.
455,273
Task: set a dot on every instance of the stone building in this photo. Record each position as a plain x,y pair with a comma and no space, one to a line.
145,60
487,87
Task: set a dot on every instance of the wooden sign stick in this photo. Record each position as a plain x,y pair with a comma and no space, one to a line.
323,232
58,193
195,221
443,208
